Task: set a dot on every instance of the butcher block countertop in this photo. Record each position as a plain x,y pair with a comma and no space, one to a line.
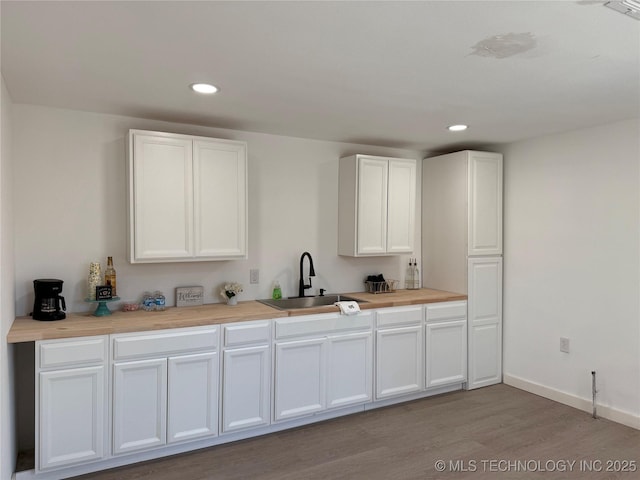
25,329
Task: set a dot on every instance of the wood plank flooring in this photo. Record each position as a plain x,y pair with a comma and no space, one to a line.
496,432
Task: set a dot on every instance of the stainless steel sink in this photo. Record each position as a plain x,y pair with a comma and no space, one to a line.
294,303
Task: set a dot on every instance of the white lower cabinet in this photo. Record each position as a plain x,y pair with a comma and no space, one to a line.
445,344
246,376
398,361
300,377
349,369
172,397
72,410
399,352
71,402
246,388
485,321
330,368
139,405
192,410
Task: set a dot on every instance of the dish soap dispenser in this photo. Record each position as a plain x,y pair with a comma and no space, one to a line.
277,291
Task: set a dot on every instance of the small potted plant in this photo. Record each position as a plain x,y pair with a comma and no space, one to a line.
230,292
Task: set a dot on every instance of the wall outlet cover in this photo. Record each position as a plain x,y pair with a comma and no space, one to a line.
254,276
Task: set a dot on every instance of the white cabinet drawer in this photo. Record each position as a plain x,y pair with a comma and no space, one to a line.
322,324
399,316
246,333
446,310
167,343
63,353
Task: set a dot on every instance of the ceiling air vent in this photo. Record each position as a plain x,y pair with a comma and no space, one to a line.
631,8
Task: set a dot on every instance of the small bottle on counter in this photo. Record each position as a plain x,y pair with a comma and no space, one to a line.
408,277
110,276
416,275
160,301
277,291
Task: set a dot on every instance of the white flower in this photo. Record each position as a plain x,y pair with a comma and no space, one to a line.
231,290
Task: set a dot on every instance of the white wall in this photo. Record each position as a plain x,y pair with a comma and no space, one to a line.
7,314
70,210
571,267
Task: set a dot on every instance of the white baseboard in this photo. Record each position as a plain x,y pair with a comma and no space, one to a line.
610,413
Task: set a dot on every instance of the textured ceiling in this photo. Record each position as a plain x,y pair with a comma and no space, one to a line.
380,73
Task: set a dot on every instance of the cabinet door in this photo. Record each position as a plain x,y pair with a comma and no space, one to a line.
220,199
350,369
372,205
401,206
399,361
446,352
485,321
161,207
71,417
139,405
485,204
300,369
192,397
246,388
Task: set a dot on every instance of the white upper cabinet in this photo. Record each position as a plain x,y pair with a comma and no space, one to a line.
376,213
485,204
220,199
162,198
401,206
371,206
187,198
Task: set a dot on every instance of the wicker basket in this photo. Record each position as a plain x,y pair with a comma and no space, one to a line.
388,286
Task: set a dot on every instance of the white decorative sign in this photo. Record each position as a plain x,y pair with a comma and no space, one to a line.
189,296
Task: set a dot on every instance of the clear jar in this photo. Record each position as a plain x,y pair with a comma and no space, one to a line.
148,302
159,299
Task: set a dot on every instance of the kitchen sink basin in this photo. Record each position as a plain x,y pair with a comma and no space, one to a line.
294,303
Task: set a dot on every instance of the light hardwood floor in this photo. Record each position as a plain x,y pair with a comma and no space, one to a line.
485,431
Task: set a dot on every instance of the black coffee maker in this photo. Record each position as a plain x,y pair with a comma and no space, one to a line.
48,300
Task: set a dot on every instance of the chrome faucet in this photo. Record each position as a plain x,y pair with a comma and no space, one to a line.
312,273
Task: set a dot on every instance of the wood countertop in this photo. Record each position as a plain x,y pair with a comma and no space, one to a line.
25,329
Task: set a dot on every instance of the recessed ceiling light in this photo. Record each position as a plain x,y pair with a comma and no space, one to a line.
457,128
204,88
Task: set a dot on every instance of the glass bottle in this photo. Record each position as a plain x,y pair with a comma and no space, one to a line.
110,276
416,275
408,278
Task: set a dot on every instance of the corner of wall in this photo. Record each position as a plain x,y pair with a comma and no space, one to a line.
8,435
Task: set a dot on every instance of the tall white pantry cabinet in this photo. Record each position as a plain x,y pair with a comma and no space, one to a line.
462,248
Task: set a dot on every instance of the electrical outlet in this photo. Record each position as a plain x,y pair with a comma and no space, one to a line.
564,344
254,275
